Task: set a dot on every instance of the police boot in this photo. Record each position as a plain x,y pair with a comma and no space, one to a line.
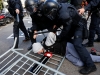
98,39
87,70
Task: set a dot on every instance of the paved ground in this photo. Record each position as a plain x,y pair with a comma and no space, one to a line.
6,42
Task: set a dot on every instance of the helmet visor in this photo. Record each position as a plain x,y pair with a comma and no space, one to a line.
52,14
30,9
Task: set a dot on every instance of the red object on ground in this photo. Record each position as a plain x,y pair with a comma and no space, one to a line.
93,50
48,54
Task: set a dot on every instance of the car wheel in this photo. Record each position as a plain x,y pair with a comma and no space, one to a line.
8,20
4,23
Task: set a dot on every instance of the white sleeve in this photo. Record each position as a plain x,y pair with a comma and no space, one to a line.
51,38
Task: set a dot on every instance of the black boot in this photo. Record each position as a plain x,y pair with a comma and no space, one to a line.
87,70
97,40
88,44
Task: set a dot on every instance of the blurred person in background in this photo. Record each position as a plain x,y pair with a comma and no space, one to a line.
15,7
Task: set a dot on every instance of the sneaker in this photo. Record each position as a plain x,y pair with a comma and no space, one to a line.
97,40
88,44
26,39
87,70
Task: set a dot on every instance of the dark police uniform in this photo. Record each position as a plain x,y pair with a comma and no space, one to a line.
13,5
73,25
76,3
94,8
40,22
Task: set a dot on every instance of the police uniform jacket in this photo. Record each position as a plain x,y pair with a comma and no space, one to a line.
68,17
40,22
92,4
13,5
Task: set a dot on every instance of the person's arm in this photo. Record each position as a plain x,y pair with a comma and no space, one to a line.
66,21
18,6
51,38
90,6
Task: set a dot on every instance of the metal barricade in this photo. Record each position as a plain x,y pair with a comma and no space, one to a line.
15,62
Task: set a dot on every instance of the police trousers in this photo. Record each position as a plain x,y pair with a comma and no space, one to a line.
18,26
80,49
94,27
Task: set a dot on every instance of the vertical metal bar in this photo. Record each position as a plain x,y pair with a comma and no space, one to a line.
28,68
9,62
40,63
20,67
46,72
6,58
7,69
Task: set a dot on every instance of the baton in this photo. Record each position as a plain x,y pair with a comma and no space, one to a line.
43,32
17,18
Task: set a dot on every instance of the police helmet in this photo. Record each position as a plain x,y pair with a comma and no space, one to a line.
50,8
41,1
30,5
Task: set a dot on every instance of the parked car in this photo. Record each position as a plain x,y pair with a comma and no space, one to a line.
2,19
8,16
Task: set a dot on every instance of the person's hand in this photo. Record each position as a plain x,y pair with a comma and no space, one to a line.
81,11
17,11
34,36
54,26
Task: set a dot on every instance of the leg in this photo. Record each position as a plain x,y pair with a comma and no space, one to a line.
83,53
97,29
72,55
16,33
31,32
23,28
92,30
95,58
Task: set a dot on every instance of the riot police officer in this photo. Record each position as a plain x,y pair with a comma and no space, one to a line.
76,3
15,7
73,26
39,21
94,8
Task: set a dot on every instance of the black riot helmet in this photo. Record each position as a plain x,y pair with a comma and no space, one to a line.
50,8
30,5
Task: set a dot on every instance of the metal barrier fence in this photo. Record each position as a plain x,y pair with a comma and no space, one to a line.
15,62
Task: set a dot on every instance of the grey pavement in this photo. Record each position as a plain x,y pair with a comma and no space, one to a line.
6,42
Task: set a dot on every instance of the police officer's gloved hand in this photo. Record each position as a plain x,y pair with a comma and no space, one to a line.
58,39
